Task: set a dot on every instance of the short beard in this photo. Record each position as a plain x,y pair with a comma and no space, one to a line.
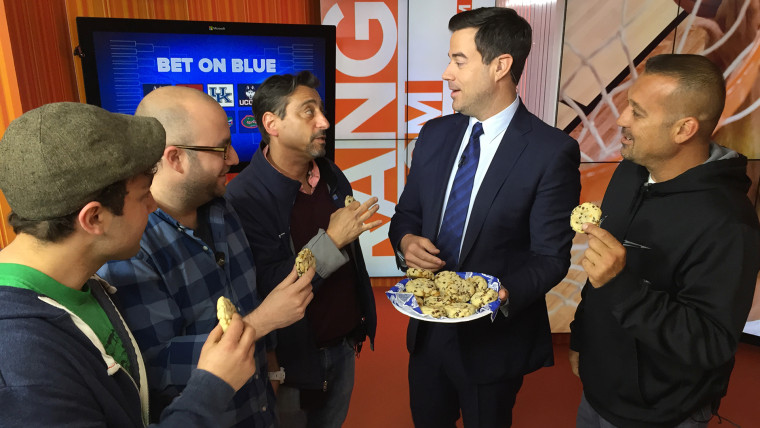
195,191
315,150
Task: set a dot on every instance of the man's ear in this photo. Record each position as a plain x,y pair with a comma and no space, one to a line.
684,129
93,218
270,122
502,66
172,158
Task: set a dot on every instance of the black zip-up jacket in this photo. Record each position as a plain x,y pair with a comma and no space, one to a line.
657,342
263,199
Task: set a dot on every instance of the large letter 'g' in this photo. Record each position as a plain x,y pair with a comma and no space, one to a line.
363,12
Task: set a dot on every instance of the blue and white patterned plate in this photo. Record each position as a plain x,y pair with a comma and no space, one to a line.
406,303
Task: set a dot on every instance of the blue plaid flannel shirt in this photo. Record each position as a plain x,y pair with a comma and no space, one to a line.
168,295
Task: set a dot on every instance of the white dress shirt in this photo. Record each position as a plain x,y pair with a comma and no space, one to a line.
493,131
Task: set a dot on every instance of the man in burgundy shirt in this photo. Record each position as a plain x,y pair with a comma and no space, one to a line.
291,197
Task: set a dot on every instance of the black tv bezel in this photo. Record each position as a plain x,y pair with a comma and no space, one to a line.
86,26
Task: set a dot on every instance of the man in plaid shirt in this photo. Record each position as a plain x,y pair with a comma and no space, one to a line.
192,252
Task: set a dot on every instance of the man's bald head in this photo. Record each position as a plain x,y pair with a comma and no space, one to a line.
173,107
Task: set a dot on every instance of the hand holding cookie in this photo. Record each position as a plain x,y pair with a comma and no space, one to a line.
304,261
346,224
605,257
285,304
229,355
224,312
585,213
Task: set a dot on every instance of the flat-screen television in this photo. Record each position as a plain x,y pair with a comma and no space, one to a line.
124,59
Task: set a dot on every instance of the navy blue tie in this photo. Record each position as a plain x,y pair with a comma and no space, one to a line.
452,227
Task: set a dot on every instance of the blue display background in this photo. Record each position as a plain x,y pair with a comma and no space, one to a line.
128,68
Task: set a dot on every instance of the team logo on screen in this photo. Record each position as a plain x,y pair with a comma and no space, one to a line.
222,93
246,122
231,120
245,93
149,87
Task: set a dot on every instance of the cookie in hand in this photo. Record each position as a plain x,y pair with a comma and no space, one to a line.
304,261
585,213
224,311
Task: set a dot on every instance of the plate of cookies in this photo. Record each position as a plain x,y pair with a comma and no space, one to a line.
446,296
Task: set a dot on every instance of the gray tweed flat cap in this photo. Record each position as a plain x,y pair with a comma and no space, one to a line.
56,158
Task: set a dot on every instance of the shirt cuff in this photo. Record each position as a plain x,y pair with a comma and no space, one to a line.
329,257
504,308
401,261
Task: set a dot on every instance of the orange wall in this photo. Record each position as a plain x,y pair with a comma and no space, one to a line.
9,95
43,56
10,106
37,39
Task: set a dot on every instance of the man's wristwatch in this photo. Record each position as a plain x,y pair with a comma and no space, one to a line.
278,375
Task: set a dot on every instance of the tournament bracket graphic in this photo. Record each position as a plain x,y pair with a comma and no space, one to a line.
228,68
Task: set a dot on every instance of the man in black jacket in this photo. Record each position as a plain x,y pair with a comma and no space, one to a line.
290,197
673,269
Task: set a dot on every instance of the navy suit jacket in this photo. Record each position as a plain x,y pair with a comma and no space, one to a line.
519,231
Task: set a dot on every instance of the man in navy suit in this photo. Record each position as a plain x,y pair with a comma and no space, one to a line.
515,225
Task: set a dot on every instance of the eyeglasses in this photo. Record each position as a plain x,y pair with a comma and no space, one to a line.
206,148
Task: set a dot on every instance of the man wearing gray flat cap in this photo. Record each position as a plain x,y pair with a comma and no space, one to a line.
77,179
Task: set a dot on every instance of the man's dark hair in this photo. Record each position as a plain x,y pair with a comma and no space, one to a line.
701,90
56,229
272,96
500,31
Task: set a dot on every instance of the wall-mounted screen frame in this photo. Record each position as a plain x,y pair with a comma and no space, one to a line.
124,59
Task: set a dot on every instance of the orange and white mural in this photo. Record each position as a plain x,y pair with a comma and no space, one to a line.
367,125
388,84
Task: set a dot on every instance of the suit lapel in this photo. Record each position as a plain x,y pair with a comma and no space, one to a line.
510,149
449,144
